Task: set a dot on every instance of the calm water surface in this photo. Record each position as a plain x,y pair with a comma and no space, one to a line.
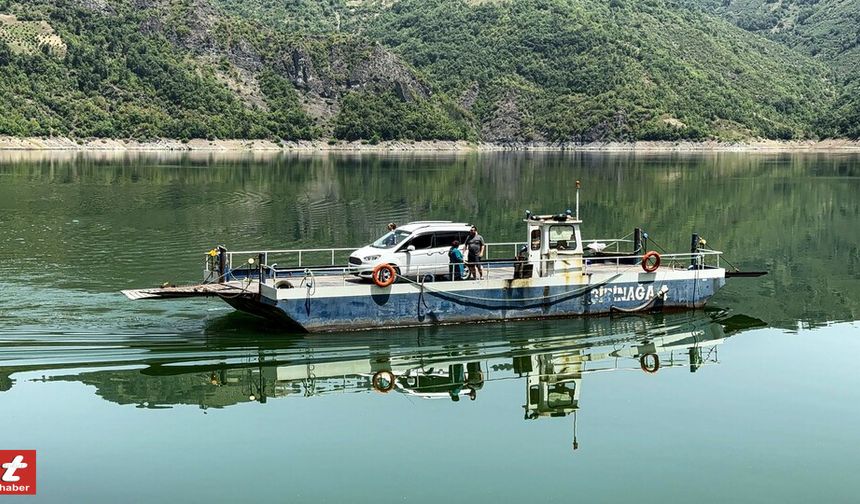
756,398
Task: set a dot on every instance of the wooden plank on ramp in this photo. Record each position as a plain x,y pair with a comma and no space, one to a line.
200,290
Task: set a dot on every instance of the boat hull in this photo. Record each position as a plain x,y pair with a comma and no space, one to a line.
411,304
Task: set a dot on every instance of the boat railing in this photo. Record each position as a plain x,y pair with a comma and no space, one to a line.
440,271
339,256
617,264
702,259
301,257
614,244
289,258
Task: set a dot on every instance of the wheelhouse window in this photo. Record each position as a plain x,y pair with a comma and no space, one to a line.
391,239
562,237
535,239
561,396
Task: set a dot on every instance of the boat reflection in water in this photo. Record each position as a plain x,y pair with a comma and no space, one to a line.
453,364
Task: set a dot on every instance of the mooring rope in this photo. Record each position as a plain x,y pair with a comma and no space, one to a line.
571,293
311,284
242,290
422,301
660,294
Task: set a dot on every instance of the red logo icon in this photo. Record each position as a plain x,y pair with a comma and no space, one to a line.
17,472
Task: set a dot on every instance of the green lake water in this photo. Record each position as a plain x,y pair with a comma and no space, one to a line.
756,398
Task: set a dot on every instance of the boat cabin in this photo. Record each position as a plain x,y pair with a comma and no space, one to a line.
554,245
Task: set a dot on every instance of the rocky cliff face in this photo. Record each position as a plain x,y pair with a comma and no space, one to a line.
506,123
349,66
100,6
321,69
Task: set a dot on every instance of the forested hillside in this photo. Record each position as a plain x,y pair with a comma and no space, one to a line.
183,69
590,69
505,71
827,30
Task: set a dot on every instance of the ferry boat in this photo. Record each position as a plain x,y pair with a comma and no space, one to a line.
553,273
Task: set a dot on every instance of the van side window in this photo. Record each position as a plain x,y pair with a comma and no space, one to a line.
422,242
445,238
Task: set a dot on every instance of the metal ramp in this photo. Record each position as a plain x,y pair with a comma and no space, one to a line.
200,290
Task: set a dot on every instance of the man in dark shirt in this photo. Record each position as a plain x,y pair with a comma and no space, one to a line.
475,247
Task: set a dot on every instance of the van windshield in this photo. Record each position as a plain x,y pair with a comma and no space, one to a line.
391,239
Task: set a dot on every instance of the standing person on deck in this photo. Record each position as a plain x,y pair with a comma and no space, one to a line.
456,259
391,240
475,247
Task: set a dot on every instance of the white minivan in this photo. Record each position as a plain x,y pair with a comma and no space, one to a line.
417,248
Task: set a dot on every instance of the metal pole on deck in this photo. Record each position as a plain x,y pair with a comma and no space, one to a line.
578,185
694,249
260,260
222,263
637,241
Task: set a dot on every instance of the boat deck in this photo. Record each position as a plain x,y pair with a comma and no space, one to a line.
333,278
492,273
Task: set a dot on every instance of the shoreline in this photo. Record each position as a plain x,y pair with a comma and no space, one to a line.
116,145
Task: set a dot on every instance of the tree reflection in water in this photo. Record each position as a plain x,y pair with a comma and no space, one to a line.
550,358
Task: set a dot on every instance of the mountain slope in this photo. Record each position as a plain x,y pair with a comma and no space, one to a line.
506,71
120,76
183,69
828,30
589,69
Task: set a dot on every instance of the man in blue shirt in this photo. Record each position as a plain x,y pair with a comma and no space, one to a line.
456,259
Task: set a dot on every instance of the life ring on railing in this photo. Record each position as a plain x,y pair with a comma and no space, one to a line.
647,265
383,381
384,275
649,367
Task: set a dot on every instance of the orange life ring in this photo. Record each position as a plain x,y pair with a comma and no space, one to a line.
649,267
378,378
651,369
384,275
